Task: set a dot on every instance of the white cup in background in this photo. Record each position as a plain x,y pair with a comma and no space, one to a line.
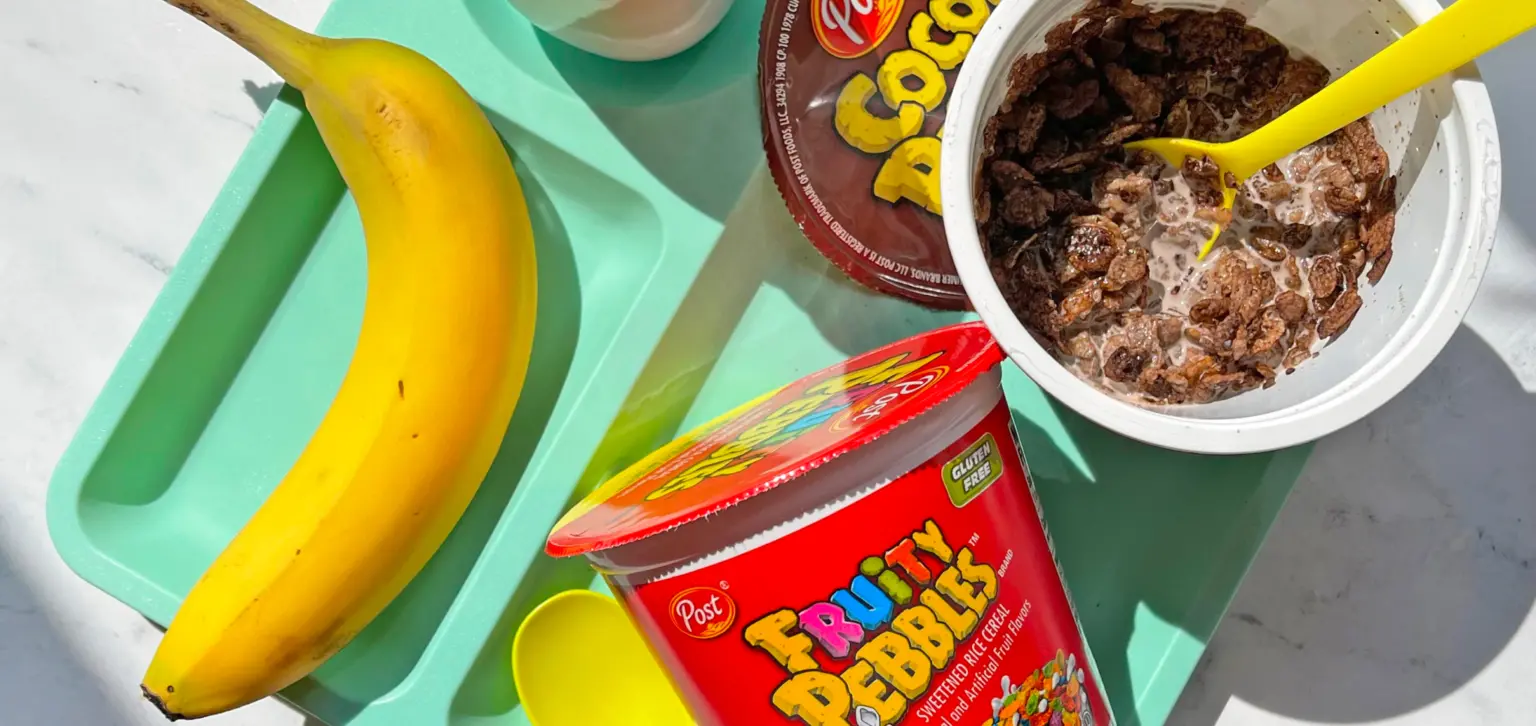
628,30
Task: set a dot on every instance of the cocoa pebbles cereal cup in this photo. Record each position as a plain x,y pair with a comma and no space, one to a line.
1339,275
862,546
854,96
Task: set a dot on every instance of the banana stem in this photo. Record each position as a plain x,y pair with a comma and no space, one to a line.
280,45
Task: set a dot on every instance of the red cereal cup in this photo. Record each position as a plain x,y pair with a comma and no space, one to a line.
862,546
854,95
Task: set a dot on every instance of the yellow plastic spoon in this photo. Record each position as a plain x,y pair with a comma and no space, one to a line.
1448,41
577,660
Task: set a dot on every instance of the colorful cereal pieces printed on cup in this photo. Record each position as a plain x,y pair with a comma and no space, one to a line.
1051,696
703,612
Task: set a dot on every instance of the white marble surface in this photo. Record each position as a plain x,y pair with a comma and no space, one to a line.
1396,587
118,122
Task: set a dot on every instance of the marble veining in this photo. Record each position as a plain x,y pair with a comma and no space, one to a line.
120,122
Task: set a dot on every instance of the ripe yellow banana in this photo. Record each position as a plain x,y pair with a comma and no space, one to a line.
447,331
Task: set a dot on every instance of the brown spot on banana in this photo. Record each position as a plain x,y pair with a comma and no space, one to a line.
333,639
192,7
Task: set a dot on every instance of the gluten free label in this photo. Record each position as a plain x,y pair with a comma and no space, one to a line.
970,473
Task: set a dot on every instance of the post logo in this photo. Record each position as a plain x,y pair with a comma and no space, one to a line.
869,408
702,612
852,28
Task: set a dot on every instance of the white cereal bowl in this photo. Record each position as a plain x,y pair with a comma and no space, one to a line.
1444,148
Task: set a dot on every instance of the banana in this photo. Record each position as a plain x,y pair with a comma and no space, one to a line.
446,336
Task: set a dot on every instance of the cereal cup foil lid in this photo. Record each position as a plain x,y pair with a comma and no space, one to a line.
777,438
854,96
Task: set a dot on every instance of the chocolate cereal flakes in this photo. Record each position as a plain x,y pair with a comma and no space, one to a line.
1096,248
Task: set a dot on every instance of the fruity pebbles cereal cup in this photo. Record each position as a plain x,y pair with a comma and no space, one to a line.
862,546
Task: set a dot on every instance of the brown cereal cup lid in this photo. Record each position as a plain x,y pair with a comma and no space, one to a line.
854,95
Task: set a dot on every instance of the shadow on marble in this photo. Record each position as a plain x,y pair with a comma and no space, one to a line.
42,680
1403,563
262,94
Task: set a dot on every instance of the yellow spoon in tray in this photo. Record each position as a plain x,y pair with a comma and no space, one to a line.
577,659
1452,38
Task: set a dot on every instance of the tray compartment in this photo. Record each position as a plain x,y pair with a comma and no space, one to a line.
231,303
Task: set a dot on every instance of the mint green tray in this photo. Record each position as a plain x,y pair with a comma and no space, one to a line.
673,285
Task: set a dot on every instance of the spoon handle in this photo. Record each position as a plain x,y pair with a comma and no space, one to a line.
1448,41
